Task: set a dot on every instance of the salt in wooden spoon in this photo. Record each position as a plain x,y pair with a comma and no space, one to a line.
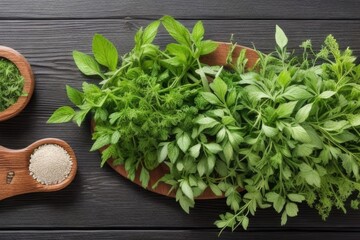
15,178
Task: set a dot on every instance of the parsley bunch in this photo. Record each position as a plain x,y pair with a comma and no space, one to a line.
11,84
286,131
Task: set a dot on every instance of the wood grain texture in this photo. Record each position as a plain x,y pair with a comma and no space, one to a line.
173,234
100,197
186,9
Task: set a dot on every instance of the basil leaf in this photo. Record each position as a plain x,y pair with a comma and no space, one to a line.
104,51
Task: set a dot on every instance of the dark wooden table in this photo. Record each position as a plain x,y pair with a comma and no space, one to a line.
100,204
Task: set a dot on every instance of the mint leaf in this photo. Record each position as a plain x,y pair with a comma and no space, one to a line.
105,52
327,94
285,110
284,78
101,142
61,115
86,64
144,177
184,142
176,30
296,197
300,134
310,175
195,150
220,88
280,37
186,189
75,96
291,209
211,98
198,32
150,32
303,113
207,47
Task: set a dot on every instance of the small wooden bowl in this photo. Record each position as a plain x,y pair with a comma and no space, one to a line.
218,57
15,178
29,82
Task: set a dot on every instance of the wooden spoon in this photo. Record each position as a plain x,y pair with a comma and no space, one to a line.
29,82
15,176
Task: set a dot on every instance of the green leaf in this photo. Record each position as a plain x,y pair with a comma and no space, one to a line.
184,142
296,93
61,115
150,32
211,98
284,78
80,116
228,152
331,125
221,135
350,164
327,94
195,150
144,177
269,131
213,147
300,134
296,197
115,137
173,152
176,30
283,218
186,203
354,120
291,209
245,222
303,113
105,52
100,142
201,167
285,110
163,153
86,64
310,175
205,120
179,51
75,96
255,93
215,189
304,150
219,87
198,32
186,189
207,47
280,37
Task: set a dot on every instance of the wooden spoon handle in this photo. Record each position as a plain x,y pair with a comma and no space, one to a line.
15,176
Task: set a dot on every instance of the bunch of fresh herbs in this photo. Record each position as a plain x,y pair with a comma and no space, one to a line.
286,131
11,84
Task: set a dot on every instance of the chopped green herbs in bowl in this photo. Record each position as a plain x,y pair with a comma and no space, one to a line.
285,128
11,84
16,83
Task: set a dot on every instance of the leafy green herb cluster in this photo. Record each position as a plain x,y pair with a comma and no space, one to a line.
11,84
286,131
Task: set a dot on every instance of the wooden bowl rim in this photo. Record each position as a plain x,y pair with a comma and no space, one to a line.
29,82
163,188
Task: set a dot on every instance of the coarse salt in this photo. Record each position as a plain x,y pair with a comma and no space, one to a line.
50,164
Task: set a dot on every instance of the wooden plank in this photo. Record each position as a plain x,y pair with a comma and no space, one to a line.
172,234
99,197
186,9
